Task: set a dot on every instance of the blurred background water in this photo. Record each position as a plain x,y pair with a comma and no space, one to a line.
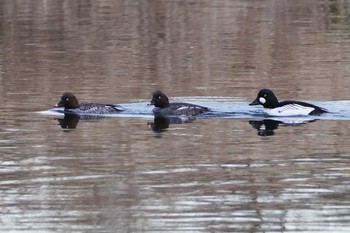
133,173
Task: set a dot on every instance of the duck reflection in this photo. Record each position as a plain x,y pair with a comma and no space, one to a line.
70,121
161,123
267,127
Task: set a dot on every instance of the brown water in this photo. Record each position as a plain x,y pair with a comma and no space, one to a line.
211,175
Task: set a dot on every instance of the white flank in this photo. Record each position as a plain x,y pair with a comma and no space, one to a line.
289,110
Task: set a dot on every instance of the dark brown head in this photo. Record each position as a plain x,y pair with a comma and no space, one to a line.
160,100
68,101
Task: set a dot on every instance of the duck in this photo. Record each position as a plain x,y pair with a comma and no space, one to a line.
71,105
163,107
273,107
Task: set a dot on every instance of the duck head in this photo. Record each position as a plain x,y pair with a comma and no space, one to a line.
266,98
68,101
160,100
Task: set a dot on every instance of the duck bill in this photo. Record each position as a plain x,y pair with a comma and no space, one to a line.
255,102
58,105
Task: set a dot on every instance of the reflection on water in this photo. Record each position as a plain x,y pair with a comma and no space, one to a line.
161,123
212,174
267,127
174,182
70,121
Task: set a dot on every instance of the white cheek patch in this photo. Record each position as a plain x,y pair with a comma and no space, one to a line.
262,100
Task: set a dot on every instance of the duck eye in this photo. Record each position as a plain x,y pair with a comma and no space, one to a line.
159,97
265,95
67,99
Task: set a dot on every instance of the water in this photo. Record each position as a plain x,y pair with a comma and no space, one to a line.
231,170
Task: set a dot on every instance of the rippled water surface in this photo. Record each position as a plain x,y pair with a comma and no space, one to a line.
230,170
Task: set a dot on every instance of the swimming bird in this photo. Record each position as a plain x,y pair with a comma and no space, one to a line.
273,107
71,104
163,107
